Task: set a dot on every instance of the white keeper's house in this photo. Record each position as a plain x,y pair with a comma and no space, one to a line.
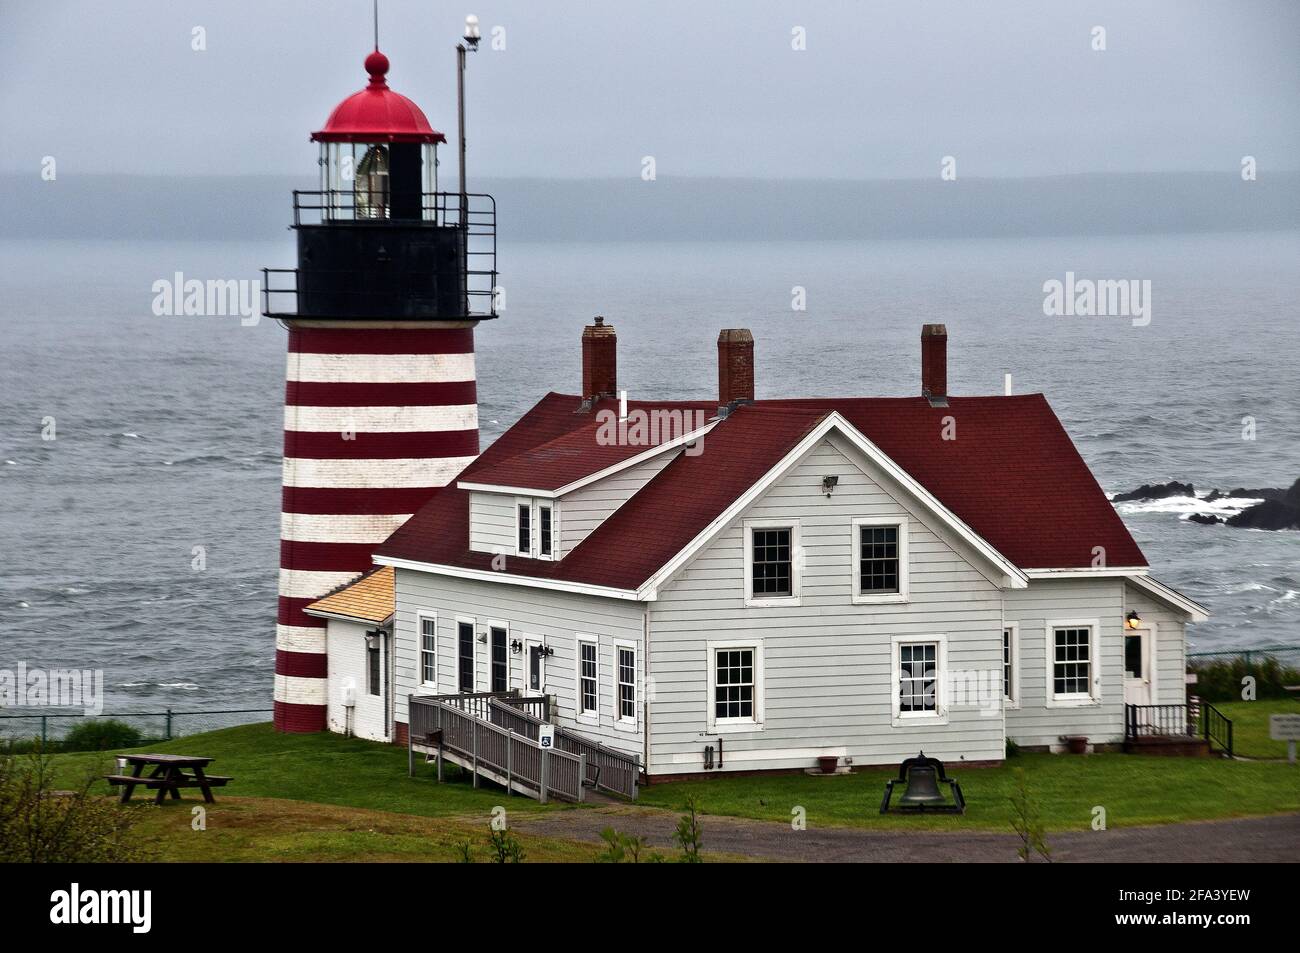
741,584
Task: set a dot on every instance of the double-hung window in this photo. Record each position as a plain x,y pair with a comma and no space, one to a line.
919,669
588,679
545,531
499,657
772,567
1072,663
1011,664
735,686
625,685
465,655
428,650
879,559
524,528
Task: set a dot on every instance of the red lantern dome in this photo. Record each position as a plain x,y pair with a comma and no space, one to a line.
377,114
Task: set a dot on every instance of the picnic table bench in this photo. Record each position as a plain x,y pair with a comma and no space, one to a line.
169,775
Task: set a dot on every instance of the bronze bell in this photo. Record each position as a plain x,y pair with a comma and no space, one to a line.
922,787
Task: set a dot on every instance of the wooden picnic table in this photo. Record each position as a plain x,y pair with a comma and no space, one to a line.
168,776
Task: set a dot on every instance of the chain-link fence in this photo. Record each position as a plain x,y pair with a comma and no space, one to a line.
53,728
1273,672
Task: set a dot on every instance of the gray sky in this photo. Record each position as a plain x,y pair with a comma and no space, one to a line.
883,90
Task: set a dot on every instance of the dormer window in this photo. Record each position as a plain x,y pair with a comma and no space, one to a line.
545,531
536,533
524,528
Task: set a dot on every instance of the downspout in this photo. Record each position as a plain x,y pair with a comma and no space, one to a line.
645,701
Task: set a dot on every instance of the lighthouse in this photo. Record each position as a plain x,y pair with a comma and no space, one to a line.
380,404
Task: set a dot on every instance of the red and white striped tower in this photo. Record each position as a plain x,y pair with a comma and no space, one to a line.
380,400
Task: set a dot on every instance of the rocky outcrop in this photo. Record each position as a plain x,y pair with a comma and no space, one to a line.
1242,493
1209,519
1158,491
1281,513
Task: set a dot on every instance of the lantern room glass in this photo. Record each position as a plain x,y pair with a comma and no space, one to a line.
354,180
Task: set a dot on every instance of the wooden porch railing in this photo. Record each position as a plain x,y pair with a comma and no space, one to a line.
1189,721
604,768
449,727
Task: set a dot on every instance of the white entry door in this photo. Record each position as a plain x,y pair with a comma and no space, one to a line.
1137,667
533,677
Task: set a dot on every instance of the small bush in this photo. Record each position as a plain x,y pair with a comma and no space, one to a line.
687,835
39,824
106,734
1219,680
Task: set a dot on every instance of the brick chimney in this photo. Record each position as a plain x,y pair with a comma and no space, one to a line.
735,365
934,364
599,360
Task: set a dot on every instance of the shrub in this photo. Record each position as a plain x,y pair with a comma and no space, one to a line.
39,824
687,835
101,734
1219,680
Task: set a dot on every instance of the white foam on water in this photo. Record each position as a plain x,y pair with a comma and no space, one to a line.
1187,505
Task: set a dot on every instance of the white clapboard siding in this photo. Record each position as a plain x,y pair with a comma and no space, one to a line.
1047,600
1171,645
827,661
556,617
492,523
347,662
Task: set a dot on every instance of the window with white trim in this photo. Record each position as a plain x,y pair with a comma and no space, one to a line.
428,650
735,701
626,684
524,528
465,655
1010,664
1072,662
588,679
772,567
545,531
919,666
880,559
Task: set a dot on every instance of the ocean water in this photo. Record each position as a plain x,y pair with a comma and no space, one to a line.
168,429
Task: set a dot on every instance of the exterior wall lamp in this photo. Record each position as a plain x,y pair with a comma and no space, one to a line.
516,647
1133,620
829,483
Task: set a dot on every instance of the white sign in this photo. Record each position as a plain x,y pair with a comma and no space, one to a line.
546,736
1284,727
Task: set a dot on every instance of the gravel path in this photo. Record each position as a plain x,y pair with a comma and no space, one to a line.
1256,839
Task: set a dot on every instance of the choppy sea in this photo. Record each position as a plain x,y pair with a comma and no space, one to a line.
143,538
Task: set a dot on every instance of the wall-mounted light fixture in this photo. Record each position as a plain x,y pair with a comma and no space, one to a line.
829,483
1133,620
547,651
482,638
516,647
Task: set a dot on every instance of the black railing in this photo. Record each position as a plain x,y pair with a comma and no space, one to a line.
1216,728
422,256
1179,721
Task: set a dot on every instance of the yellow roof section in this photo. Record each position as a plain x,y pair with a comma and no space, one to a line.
369,599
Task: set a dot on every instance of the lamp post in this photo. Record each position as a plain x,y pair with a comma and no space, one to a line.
469,45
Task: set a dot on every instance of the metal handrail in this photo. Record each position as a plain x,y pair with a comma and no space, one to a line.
1216,728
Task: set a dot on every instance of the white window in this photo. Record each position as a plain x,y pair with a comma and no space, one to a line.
880,559
428,649
920,666
625,699
772,558
545,531
735,686
588,679
1073,676
1011,664
524,527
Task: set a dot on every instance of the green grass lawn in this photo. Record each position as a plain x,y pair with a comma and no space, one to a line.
322,768
1250,726
1133,789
